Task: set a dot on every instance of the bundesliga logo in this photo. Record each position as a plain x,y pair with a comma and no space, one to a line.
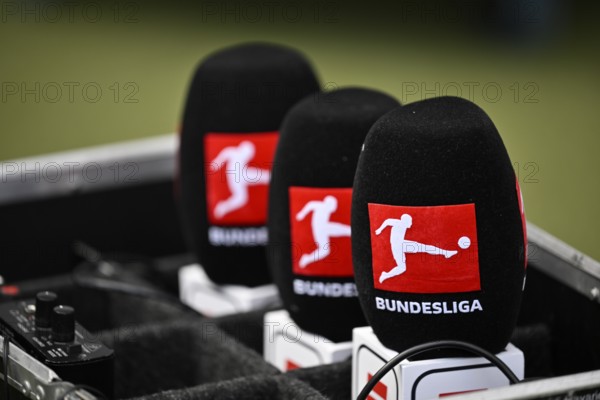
320,231
237,171
424,249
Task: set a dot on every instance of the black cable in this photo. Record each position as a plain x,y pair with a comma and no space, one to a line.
93,257
441,344
86,252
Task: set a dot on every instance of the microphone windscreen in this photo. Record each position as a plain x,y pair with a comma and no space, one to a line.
235,105
438,233
310,198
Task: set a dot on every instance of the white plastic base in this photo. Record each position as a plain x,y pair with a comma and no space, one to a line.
425,379
200,293
288,347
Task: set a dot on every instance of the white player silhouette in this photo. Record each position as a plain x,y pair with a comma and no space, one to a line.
400,246
236,158
322,228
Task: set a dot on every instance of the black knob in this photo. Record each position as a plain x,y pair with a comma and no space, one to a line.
44,304
63,324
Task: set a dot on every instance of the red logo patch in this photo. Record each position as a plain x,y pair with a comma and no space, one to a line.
320,230
238,170
424,249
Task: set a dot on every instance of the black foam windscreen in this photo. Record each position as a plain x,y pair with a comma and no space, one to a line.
310,197
438,233
235,105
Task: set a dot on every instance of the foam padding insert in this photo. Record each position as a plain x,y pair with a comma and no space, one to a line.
249,388
178,354
333,380
247,327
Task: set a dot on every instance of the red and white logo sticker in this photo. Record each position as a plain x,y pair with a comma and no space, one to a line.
291,365
320,231
424,249
379,392
238,170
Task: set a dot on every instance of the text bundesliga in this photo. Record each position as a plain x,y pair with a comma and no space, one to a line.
428,307
347,289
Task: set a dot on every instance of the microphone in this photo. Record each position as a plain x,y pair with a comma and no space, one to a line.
309,251
237,100
438,230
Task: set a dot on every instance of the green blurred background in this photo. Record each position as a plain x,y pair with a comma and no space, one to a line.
532,65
